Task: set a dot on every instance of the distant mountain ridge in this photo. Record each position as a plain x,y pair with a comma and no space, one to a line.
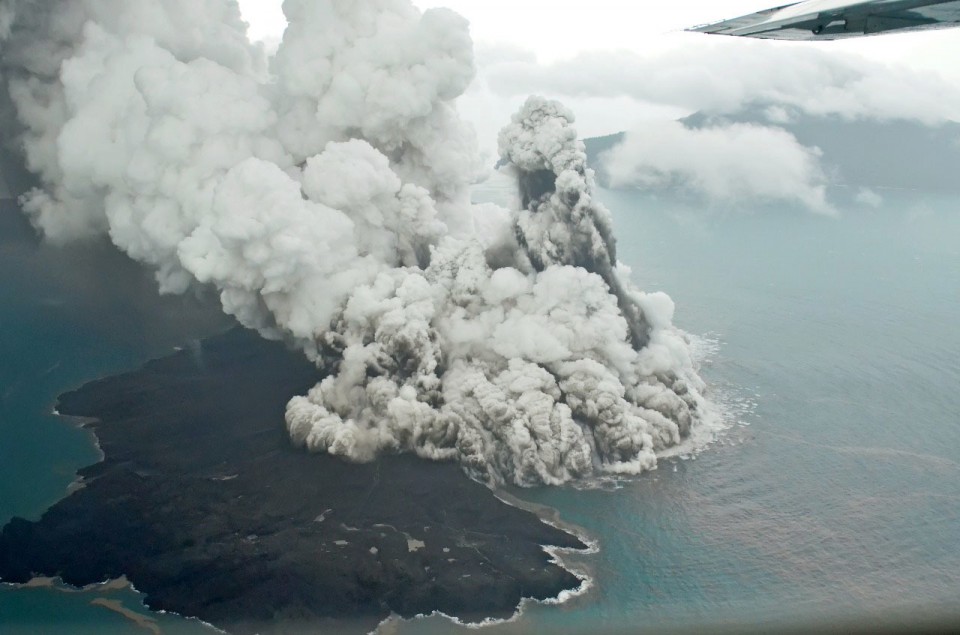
595,146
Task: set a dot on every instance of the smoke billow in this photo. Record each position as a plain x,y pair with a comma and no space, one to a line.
324,192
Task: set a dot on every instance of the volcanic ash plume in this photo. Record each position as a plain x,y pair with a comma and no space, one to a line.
324,194
544,370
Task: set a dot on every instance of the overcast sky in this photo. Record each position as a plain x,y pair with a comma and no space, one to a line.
555,29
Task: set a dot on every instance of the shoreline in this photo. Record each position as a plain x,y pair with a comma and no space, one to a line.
57,585
549,516
546,514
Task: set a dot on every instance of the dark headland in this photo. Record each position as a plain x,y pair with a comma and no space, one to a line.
202,503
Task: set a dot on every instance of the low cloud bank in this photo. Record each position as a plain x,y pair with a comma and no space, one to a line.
725,76
737,164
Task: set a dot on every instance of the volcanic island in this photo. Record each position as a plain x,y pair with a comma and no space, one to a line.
204,505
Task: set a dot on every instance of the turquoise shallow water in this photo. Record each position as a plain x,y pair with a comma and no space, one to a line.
66,317
834,493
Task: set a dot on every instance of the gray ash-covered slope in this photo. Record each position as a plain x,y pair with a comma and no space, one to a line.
204,505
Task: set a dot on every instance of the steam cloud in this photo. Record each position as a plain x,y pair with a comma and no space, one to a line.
325,193
731,164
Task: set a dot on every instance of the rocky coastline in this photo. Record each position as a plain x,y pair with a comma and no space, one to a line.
204,505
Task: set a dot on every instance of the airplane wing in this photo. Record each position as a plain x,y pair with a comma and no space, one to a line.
838,19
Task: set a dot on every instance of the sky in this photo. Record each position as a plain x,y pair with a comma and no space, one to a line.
564,28
623,37
624,64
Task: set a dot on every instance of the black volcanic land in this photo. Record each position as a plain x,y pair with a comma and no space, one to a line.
203,504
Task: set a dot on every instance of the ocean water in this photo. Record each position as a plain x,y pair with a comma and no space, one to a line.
832,493
68,316
835,492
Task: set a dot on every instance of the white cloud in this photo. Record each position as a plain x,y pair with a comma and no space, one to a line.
733,165
777,115
869,198
724,75
565,29
265,18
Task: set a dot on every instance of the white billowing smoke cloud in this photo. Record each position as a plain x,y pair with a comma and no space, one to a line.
541,369
324,193
733,164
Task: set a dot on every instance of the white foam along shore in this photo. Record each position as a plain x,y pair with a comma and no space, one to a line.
550,516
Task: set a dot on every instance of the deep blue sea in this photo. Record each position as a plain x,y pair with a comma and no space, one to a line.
834,491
